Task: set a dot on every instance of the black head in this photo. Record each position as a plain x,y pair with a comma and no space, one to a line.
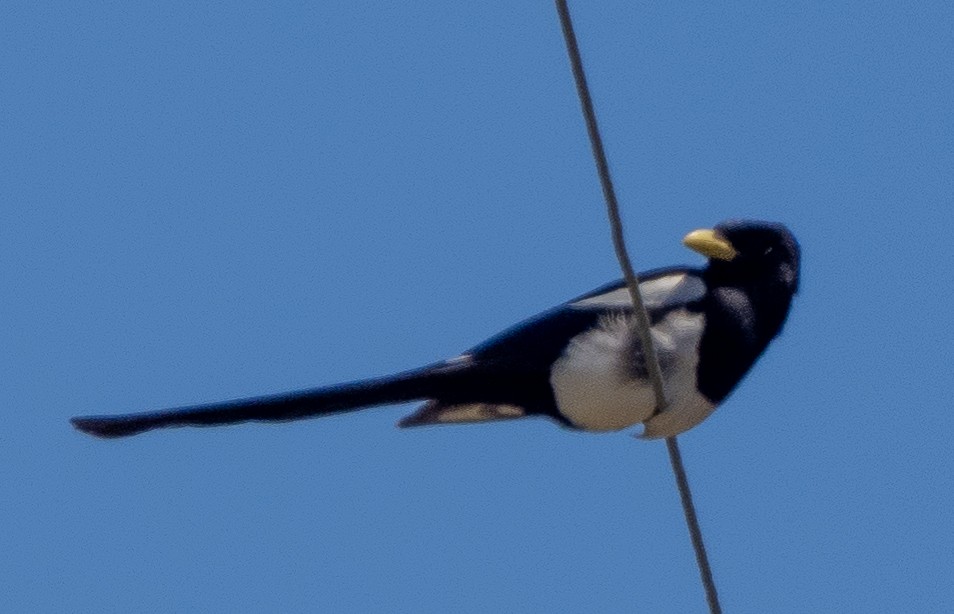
750,253
751,278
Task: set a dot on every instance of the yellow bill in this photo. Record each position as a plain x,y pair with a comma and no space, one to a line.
709,243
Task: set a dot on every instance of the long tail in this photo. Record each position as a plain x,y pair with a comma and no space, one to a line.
426,383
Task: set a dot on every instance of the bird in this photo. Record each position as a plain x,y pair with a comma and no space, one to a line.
581,364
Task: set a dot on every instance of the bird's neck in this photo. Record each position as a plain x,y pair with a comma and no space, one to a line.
769,299
771,303
741,319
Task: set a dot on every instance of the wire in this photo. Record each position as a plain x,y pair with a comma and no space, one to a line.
692,521
612,206
642,317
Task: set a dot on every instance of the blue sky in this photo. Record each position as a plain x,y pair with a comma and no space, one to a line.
206,202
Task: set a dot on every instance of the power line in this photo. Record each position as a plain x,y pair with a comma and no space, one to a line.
692,521
642,317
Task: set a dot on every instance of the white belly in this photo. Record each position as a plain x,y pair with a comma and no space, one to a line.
596,389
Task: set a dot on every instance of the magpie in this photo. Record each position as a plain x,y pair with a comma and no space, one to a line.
581,363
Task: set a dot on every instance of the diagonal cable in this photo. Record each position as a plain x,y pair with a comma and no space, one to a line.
612,206
642,317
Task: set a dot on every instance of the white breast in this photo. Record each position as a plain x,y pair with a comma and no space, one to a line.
596,389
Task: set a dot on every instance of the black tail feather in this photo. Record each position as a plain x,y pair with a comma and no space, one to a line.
429,382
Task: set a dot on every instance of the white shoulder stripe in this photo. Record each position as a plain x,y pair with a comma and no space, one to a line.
660,292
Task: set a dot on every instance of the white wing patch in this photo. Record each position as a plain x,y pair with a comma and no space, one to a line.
477,412
659,292
435,412
596,389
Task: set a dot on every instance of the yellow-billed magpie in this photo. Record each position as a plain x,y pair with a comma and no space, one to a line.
581,363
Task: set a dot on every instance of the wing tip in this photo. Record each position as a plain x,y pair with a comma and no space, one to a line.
422,417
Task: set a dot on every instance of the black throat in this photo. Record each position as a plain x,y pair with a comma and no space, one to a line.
744,311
